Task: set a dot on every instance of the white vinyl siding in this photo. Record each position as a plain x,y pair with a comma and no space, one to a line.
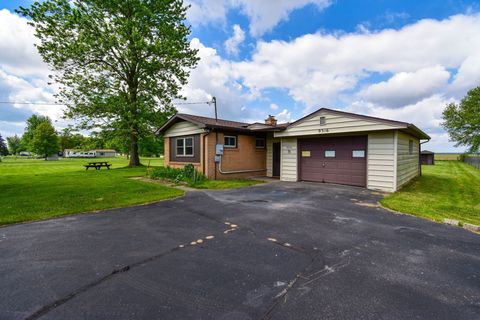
407,164
334,123
288,166
270,141
184,128
381,161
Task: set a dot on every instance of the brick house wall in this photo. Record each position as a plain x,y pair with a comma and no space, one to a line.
244,157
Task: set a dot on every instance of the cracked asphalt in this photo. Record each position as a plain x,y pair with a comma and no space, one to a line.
274,251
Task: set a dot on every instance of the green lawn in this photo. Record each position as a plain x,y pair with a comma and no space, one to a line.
448,189
446,156
37,189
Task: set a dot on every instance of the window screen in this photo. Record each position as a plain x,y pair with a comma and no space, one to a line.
185,147
230,141
410,146
260,143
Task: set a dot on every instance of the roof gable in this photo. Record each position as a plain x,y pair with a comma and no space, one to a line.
338,122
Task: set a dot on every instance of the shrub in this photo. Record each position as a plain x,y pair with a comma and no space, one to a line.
187,175
461,157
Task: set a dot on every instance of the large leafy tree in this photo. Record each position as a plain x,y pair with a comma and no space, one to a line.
45,140
14,144
119,62
3,147
70,140
32,123
462,121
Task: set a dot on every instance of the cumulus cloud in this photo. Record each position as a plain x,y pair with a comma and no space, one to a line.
468,76
18,55
317,69
405,88
231,45
284,116
214,77
263,15
273,106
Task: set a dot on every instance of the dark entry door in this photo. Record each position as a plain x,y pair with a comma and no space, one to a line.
276,159
340,160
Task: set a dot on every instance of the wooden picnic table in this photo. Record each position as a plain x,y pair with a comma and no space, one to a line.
97,165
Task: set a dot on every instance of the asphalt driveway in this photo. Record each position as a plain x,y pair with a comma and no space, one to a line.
276,251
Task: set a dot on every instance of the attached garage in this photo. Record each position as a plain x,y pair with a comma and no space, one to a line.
334,159
339,147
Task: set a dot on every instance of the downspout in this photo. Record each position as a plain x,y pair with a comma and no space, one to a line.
420,155
236,171
216,142
204,153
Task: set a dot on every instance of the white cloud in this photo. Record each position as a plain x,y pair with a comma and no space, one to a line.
262,14
468,76
231,45
18,55
318,68
284,116
404,88
426,114
273,106
214,77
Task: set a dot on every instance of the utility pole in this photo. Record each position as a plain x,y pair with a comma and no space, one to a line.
214,101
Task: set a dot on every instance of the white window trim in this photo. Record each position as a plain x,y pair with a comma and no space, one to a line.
185,148
228,146
264,143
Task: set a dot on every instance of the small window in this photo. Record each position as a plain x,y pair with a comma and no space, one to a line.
410,146
260,143
323,121
230,141
358,153
185,147
329,153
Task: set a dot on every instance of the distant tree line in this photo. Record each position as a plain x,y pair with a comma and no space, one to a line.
40,138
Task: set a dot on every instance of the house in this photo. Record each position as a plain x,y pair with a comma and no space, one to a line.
95,153
427,157
324,146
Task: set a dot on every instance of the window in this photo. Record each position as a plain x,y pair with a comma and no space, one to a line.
230,141
410,146
185,147
358,153
260,143
323,121
329,153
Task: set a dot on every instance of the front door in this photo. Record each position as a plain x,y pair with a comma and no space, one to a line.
276,159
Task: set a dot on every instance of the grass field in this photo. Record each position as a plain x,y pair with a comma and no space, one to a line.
37,189
448,189
446,156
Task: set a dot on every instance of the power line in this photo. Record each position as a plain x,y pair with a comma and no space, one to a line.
62,104
39,103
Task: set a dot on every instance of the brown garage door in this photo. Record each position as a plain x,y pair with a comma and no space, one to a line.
337,160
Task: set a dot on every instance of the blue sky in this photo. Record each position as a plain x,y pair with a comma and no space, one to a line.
403,60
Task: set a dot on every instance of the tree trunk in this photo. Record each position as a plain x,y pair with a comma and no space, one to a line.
134,158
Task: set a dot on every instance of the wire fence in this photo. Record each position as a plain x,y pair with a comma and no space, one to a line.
473,160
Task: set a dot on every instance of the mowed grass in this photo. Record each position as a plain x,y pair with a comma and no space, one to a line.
448,189
37,189
446,156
